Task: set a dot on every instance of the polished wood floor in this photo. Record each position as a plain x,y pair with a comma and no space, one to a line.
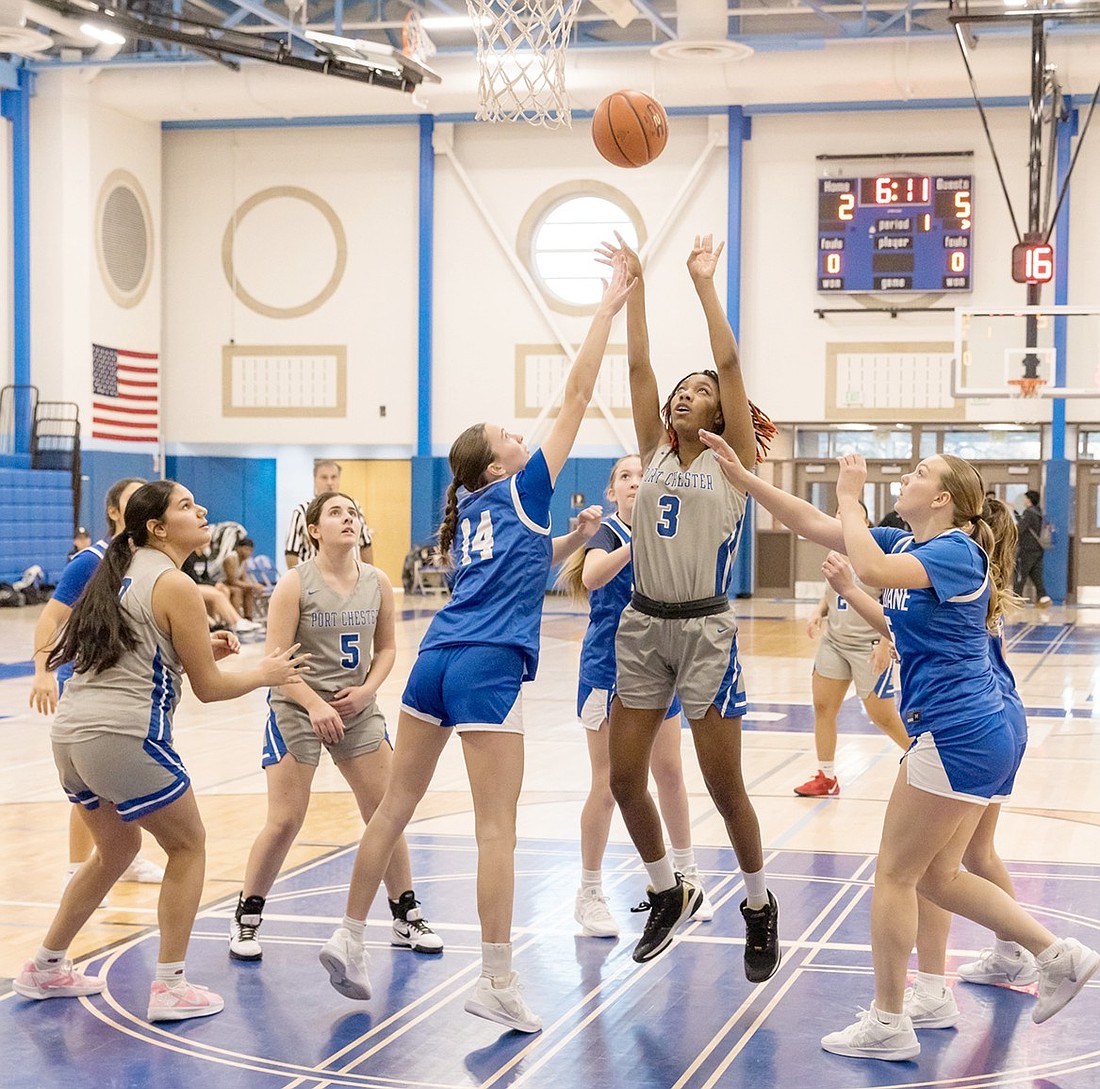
1053,816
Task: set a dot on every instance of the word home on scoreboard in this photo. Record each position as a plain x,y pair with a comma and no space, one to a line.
895,232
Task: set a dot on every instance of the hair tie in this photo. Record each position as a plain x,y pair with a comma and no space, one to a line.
975,518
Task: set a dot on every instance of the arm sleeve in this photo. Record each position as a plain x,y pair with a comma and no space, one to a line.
605,539
534,489
75,577
296,531
887,537
955,565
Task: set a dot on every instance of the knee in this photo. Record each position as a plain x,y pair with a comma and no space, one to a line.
626,786
284,826
496,833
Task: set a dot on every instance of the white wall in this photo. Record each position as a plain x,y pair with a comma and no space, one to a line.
6,360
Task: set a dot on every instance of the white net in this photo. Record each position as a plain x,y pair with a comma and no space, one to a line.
521,59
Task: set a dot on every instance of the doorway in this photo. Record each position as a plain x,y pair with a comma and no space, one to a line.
383,490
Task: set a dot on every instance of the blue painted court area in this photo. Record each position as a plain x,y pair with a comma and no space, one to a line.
687,1019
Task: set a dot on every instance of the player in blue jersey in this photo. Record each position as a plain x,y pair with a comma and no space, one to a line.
340,611
678,635
479,649
48,684
942,597
601,575
138,625
930,1003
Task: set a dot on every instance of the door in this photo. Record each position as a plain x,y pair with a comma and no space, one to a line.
383,490
1008,480
1087,558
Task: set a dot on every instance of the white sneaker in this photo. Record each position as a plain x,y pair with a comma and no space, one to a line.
410,928
244,624
1061,978
58,981
143,871
591,911
997,970
346,962
504,1005
869,1038
168,1003
929,1011
705,911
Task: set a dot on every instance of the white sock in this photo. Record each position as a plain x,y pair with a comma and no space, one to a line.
931,984
355,927
683,861
884,1018
1010,950
828,768
591,879
661,874
1049,954
171,973
49,958
496,961
756,889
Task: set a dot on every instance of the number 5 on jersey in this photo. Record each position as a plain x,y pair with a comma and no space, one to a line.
482,540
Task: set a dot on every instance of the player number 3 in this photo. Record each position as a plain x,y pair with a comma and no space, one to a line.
482,541
670,513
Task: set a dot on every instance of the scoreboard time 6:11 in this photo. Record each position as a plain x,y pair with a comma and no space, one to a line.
895,232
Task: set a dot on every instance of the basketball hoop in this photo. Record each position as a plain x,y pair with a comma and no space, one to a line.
1027,387
415,42
521,59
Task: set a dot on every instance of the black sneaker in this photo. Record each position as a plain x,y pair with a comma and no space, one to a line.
242,929
410,928
762,952
667,911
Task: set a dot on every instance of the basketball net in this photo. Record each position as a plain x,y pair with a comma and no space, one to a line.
1027,387
521,59
415,42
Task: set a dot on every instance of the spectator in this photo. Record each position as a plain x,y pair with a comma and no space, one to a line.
299,546
82,539
1029,552
215,597
243,588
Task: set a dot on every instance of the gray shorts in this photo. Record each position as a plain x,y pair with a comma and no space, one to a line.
841,663
138,775
289,730
695,659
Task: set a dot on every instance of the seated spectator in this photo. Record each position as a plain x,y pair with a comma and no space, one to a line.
243,588
216,598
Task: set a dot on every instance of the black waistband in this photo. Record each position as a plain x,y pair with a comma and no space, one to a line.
680,610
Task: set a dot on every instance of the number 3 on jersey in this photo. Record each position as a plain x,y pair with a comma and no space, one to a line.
670,514
482,541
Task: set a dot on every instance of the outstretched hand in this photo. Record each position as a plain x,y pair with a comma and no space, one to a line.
730,464
282,667
853,475
589,520
618,287
703,259
838,573
608,251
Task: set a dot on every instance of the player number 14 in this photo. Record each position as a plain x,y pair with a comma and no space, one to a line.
482,540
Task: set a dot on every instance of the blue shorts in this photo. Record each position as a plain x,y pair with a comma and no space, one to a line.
467,687
975,762
1018,721
594,705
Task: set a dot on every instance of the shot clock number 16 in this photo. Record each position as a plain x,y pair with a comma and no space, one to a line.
895,232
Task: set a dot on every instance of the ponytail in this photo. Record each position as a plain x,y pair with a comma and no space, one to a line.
449,524
570,578
997,526
470,456
97,633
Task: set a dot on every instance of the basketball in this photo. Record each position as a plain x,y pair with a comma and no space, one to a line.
629,128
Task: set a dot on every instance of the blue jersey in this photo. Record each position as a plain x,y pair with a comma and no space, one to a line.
1014,706
501,556
940,632
77,574
605,607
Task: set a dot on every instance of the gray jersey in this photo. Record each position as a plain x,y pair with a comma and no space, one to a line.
139,693
687,526
846,627
337,631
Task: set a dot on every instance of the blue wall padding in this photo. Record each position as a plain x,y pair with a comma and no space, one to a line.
36,521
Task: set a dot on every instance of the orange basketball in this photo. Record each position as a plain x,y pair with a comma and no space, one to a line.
629,128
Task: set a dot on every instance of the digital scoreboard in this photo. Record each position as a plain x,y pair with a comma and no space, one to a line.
895,232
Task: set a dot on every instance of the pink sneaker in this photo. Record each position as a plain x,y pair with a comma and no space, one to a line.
180,1003
57,981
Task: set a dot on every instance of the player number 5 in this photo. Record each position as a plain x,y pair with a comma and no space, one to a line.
349,648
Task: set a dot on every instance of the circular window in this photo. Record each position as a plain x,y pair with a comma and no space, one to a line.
559,236
124,238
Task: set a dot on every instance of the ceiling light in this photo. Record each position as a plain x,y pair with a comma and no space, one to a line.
102,34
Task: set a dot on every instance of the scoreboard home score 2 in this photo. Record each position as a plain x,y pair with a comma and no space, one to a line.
895,232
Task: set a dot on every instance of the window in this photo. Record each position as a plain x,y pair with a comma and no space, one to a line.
983,445
560,233
1088,446
877,443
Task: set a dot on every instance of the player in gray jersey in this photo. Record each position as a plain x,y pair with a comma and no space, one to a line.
341,612
850,652
678,635
139,624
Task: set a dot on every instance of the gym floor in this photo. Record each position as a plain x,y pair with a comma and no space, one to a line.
688,1018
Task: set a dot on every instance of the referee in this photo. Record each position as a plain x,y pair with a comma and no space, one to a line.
299,546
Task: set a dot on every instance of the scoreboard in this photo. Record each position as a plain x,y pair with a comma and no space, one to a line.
895,232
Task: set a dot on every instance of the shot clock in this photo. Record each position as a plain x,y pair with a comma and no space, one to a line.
895,232
1033,261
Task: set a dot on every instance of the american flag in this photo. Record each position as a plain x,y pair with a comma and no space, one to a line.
125,395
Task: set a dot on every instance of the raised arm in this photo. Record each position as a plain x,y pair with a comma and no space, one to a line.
838,574
645,400
739,432
796,514
581,383
588,522
178,609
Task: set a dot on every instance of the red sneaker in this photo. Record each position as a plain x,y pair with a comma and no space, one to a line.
818,787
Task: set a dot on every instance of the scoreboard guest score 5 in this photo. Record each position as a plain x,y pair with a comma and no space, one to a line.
895,232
